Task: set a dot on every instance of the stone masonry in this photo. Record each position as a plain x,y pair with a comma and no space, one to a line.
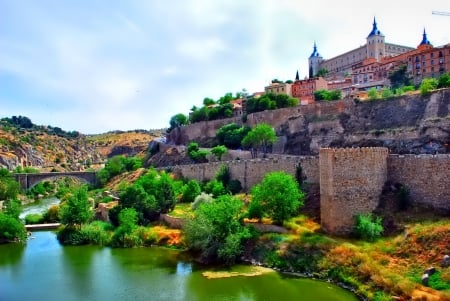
351,182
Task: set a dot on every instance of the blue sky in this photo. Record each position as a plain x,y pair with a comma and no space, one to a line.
100,65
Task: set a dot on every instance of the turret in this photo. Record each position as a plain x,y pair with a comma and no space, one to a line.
314,62
375,43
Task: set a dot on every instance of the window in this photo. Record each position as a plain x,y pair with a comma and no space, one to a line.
432,62
432,54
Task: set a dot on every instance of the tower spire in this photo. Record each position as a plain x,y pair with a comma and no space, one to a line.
375,30
424,38
296,76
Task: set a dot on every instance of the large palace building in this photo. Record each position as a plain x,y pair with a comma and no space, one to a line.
366,67
341,65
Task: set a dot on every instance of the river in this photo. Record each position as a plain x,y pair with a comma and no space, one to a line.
44,270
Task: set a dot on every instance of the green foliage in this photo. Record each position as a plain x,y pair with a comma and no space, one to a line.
200,199
190,191
77,209
372,93
381,296
9,187
11,228
437,282
234,186
116,166
145,204
212,110
231,135
261,136
195,153
96,233
53,214
128,218
444,80
215,187
327,95
152,194
400,77
216,231
223,175
270,101
178,120
386,93
34,218
219,151
428,85
278,196
368,226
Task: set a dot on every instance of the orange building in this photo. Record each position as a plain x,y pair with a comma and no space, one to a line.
304,89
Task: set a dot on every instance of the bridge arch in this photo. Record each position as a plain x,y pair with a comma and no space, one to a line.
29,180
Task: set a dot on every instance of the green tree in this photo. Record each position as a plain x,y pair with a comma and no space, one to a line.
261,136
190,191
134,196
399,77
177,121
9,187
444,80
327,95
231,135
217,231
11,229
195,153
278,196
77,209
219,151
428,85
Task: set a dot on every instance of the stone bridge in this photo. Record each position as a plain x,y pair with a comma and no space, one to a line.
28,180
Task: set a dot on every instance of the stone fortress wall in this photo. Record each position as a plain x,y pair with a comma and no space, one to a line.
351,180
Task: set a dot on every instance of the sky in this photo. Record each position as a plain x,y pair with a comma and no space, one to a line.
101,65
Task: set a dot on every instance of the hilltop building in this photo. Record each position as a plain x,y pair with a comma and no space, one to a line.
370,65
341,65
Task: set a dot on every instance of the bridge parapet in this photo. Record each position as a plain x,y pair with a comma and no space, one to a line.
28,180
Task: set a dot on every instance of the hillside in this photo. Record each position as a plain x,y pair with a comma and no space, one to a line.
50,148
405,124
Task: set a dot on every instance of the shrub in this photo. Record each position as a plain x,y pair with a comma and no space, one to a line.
234,186
368,227
34,218
190,191
372,93
200,199
216,188
427,85
52,215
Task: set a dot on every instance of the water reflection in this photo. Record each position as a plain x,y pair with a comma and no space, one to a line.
78,268
184,268
47,271
11,254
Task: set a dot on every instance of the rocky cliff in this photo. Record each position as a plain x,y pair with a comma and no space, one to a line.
406,124
38,148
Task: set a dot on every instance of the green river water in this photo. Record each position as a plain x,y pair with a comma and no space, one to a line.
43,270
